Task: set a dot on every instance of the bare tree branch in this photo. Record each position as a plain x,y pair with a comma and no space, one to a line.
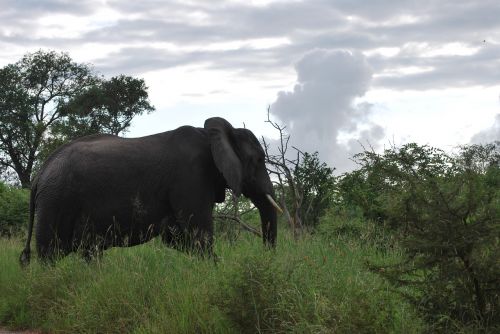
282,168
243,225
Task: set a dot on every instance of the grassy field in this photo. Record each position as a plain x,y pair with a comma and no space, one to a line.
318,284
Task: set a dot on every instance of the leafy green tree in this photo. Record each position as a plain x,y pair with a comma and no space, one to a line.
46,99
316,182
361,189
109,106
32,92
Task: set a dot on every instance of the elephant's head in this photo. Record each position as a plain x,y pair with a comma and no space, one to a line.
240,158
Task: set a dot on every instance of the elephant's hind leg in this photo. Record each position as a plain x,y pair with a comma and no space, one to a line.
51,248
53,238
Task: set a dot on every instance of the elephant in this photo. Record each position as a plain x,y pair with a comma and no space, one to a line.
103,191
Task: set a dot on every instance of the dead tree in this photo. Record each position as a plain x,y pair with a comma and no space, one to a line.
281,169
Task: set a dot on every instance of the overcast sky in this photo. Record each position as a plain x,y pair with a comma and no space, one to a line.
337,73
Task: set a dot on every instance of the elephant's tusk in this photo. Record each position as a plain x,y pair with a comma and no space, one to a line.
271,200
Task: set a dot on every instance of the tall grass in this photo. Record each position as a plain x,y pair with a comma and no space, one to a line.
312,285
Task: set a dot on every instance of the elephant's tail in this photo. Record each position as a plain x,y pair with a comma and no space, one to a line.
24,258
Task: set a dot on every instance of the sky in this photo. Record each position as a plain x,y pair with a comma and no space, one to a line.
340,75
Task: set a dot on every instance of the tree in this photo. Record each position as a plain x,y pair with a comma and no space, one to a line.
317,183
38,99
281,168
32,92
109,106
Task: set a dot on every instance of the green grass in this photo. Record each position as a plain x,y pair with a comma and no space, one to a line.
313,285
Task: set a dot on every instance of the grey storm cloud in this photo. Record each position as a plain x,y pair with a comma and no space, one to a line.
322,105
446,71
326,24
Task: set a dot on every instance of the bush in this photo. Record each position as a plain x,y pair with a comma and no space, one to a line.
348,224
14,210
445,212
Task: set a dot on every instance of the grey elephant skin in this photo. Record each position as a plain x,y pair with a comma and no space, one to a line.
102,191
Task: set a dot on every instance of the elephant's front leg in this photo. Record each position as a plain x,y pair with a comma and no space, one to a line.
192,229
200,232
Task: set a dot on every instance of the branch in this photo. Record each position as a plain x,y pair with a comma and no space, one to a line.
253,208
6,164
246,227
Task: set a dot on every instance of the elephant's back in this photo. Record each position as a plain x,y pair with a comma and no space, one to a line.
108,164
98,163
73,154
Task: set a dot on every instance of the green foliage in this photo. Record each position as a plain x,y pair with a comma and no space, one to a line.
47,99
316,182
107,107
445,212
14,210
361,190
32,92
349,225
313,285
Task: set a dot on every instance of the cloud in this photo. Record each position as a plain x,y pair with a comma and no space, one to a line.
488,135
481,67
322,105
152,35
432,45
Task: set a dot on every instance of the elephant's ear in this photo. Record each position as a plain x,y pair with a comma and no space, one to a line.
225,158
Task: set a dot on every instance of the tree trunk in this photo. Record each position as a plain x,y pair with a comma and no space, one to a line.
478,292
25,178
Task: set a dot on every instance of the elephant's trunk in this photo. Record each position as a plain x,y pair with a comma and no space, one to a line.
268,216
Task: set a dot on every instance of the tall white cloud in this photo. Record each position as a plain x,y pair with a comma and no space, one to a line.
322,105
488,135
